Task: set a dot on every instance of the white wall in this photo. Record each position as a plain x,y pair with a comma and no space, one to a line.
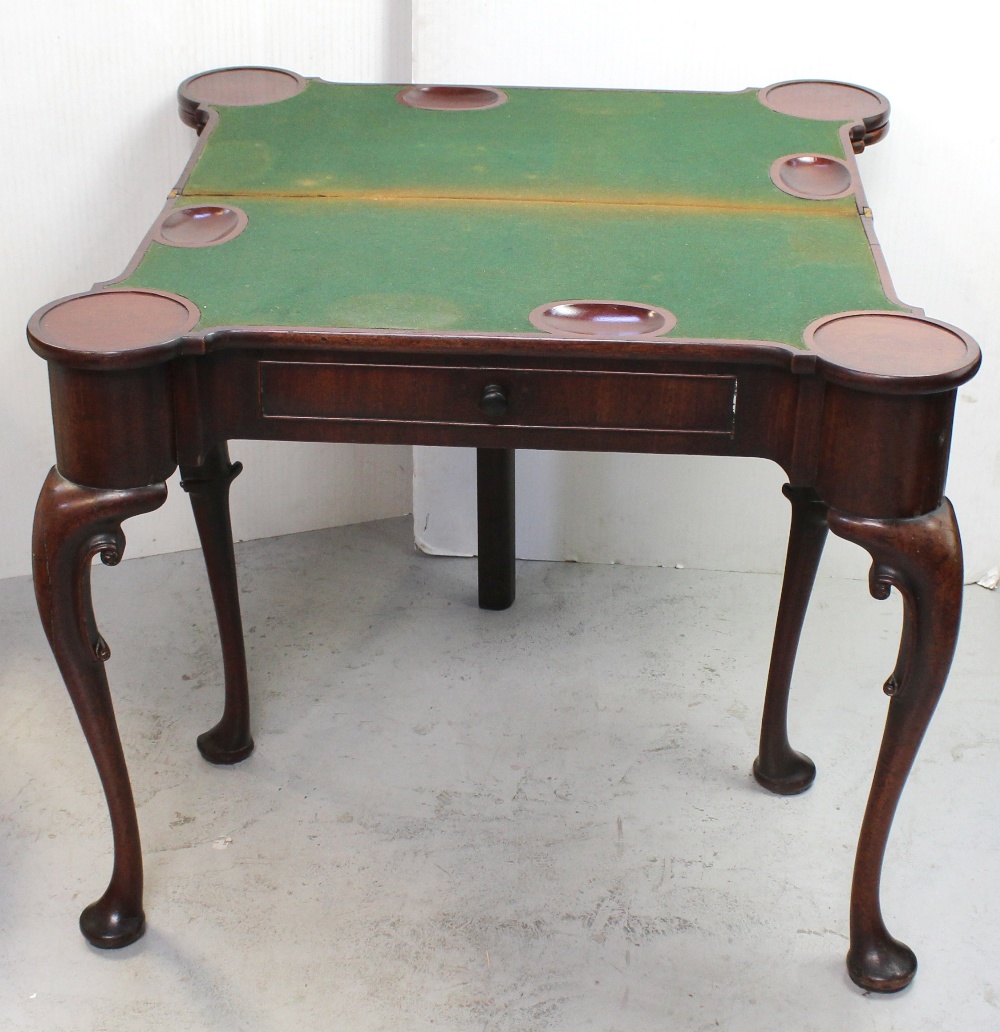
92,145
931,184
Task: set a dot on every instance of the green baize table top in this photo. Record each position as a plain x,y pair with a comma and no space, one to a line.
364,213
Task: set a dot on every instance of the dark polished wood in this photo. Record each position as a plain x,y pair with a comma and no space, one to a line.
859,418
207,485
234,86
778,767
837,101
870,455
495,520
922,558
74,524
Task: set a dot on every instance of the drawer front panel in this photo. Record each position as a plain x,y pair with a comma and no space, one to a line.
544,398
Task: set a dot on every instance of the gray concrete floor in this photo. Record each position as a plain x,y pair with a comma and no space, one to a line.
537,819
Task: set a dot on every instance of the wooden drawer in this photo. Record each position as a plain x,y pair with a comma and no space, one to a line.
543,398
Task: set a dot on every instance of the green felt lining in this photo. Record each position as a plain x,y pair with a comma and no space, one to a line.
463,266
365,213
546,144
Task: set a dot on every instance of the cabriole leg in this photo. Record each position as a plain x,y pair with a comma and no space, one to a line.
72,525
229,741
778,767
922,558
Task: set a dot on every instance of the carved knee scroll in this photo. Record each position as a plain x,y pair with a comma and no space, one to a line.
922,558
72,525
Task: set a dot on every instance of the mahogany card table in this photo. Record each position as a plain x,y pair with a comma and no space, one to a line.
500,269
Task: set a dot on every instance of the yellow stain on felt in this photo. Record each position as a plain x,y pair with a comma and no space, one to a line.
810,209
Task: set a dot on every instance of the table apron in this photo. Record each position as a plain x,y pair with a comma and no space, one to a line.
697,408
581,400
866,453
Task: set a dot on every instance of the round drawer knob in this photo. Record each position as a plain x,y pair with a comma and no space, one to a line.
493,400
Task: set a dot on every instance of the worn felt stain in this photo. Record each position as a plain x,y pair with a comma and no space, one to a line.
365,213
543,144
462,267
